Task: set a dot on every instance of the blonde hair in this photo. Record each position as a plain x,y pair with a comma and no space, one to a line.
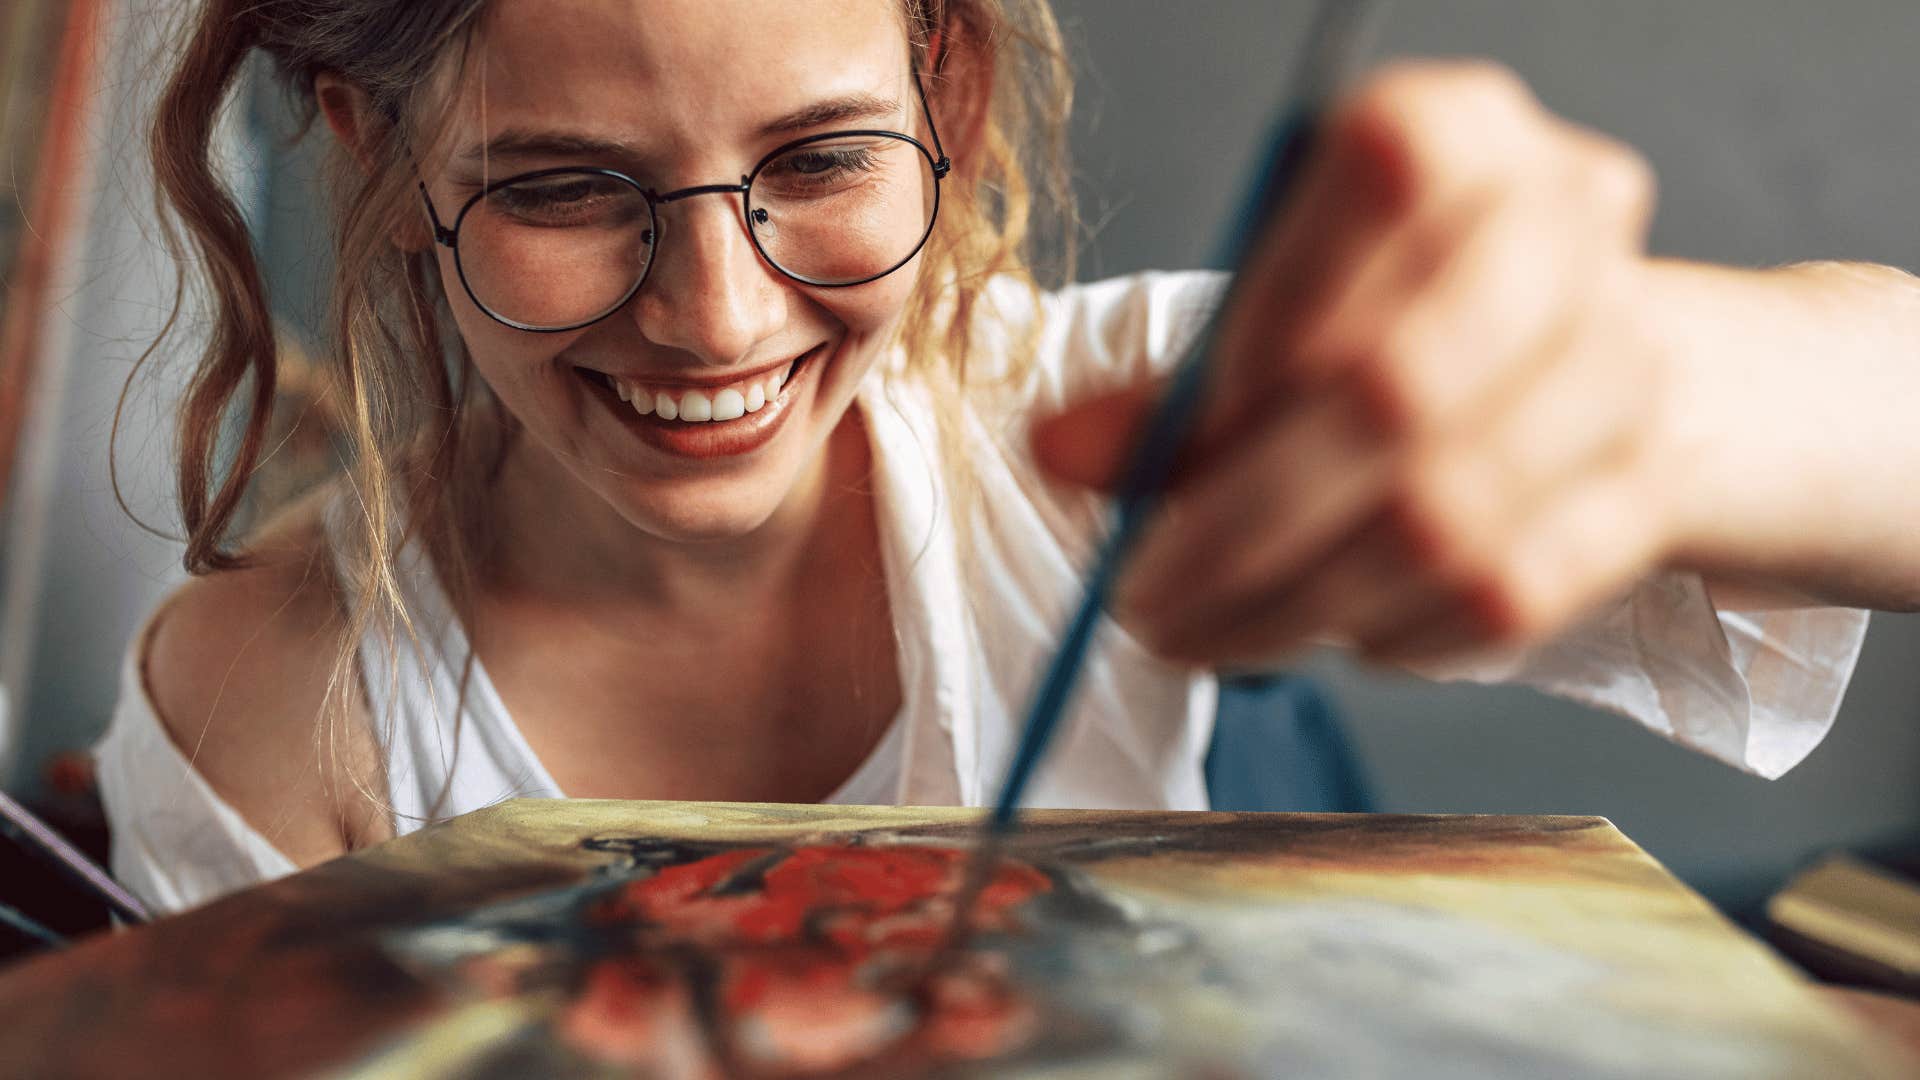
421,434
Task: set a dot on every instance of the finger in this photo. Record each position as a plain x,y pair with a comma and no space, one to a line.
1091,443
1428,529
1609,183
1361,583
1503,284
1578,421
1441,528
1417,140
1417,644
1447,351
1587,549
1455,317
1246,518
1389,195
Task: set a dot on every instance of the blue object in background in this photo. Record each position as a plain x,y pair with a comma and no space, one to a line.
1277,745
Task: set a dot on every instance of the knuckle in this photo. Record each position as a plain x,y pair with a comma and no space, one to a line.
1621,181
1514,606
1434,241
1371,145
1489,91
1516,615
1158,640
1150,625
1394,133
1425,511
1608,177
1397,396
1414,127
1435,88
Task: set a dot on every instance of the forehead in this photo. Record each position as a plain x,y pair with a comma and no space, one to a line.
673,74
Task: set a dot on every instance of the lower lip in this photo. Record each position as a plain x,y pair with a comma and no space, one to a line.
715,438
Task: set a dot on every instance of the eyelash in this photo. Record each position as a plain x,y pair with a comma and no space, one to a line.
849,159
527,201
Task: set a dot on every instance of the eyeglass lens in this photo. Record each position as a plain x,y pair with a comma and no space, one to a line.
563,249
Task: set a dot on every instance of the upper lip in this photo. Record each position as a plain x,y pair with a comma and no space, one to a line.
699,381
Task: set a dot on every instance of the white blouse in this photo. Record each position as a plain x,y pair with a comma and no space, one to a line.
976,620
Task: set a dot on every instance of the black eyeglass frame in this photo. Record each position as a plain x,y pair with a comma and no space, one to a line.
936,158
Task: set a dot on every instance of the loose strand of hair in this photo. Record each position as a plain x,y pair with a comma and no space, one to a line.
241,346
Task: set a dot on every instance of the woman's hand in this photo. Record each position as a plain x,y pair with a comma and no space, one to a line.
1437,420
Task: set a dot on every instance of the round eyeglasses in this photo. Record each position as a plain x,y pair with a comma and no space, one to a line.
559,249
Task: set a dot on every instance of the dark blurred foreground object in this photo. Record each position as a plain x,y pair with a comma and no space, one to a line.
1853,920
33,887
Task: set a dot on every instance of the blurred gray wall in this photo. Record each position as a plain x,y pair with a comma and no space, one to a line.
1780,131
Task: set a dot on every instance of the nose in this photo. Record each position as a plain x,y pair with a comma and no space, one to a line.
708,294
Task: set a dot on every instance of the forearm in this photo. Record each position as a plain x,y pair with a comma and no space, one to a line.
1794,425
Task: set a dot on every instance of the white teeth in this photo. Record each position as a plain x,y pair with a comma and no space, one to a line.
695,405
729,405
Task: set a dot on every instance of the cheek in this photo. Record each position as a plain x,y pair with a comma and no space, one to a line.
479,330
514,364
873,309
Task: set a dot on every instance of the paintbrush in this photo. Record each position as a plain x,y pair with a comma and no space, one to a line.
1334,43
37,836
19,921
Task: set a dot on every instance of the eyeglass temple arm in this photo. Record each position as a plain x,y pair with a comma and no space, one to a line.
441,234
944,164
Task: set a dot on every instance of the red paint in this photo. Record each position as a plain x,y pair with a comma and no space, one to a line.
811,964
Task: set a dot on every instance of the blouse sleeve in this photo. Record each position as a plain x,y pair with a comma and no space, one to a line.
1758,691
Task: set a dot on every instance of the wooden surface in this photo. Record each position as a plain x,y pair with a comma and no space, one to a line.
1437,944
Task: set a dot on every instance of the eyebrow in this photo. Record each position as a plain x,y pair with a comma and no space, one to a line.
523,142
835,111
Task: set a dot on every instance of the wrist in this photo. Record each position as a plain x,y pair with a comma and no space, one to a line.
1712,466
1782,429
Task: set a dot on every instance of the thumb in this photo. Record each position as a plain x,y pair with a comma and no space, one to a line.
1090,443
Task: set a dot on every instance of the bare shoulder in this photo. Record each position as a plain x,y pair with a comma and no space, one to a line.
238,665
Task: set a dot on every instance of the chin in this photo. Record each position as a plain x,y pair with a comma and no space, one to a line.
703,515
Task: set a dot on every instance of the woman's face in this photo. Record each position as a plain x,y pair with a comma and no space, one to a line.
675,93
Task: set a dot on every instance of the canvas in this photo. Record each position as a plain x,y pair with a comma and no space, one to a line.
712,940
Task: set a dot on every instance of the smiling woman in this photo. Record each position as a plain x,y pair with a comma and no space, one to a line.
688,351
659,258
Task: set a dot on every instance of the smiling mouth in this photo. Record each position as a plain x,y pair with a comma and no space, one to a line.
708,404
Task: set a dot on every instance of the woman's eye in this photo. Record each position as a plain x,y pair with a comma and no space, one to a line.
564,201
812,164
821,168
